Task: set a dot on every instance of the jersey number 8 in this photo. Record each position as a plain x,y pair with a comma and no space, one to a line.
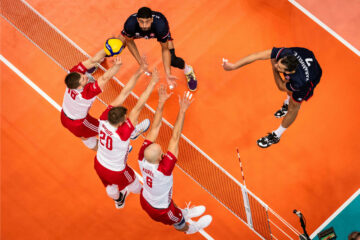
105,140
149,182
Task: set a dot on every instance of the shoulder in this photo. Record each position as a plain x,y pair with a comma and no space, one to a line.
167,164
143,148
130,24
124,130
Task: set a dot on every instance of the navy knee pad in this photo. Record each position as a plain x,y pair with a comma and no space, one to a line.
177,62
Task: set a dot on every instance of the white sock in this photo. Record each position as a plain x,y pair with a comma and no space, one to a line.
279,131
192,229
188,69
287,100
135,186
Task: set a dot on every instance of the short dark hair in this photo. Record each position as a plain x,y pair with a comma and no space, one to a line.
290,62
354,236
72,80
144,12
117,115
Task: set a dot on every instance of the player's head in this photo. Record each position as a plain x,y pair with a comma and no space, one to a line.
117,115
354,236
144,18
76,80
287,64
153,153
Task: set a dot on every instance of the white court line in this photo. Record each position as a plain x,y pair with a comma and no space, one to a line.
324,26
57,106
316,232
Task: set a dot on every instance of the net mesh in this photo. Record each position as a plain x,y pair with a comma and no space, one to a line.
196,165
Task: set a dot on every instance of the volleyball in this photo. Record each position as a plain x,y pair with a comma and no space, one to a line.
113,46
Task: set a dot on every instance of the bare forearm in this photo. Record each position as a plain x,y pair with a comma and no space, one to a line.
158,116
91,62
166,56
278,80
133,49
111,72
178,126
252,58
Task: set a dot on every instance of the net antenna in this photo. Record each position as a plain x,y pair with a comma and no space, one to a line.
245,195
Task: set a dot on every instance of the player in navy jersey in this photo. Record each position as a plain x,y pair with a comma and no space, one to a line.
301,73
150,24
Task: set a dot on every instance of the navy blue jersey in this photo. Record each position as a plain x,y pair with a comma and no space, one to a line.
159,28
308,72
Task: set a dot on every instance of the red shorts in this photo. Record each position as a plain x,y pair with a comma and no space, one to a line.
169,216
87,127
108,177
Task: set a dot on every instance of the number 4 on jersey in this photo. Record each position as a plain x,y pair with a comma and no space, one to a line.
308,60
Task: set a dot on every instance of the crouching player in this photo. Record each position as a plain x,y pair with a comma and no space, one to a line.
156,168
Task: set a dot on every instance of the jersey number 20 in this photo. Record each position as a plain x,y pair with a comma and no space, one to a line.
105,140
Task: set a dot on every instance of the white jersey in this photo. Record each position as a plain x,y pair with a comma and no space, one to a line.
158,178
76,103
114,143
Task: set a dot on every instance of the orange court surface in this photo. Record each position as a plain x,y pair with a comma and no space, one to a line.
49,188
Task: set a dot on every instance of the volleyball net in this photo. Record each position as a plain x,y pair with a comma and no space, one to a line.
193,161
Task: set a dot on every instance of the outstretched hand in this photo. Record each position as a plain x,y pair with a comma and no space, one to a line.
144,66
155,76
185,101
171,81
163,95
117,60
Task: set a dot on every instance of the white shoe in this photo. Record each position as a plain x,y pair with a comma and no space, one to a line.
196,211
140,128
203,222
120,203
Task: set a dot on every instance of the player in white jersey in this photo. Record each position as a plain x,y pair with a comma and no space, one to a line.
114,141
80,95
156,168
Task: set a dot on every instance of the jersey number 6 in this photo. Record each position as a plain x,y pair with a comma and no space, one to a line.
105,140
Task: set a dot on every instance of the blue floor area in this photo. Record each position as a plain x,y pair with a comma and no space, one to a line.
347,221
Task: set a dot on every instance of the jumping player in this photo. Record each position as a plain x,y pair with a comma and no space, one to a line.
80,95
301,73
150,24
157,168
114,141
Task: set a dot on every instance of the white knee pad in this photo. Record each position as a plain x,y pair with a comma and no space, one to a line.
135,186
113,191
90,142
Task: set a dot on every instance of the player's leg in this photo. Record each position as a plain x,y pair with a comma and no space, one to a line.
180,63
117,195
89,131
274,137
135,186
140,128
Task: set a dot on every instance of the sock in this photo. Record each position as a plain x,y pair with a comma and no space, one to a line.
279,131
172,52
287,100
188,69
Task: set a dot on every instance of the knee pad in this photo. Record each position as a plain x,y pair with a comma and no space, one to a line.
135,186
180,225
113,191
90,142
177,62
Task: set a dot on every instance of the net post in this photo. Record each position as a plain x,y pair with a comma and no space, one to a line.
247,207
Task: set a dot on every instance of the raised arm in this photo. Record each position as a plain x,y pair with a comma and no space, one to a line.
175,138
247,60
135,112
109,73
120,99
97,58
280,83
155,127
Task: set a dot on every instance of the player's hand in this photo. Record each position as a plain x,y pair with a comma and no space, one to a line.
155,76
185,101
117,60
228,66
163,95
144,66
171,81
